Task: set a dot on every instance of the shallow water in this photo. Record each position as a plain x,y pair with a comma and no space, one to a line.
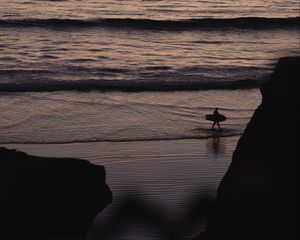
65,117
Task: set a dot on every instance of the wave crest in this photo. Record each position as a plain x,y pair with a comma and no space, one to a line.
188,24
126,86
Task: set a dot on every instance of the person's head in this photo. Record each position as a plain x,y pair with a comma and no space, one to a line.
217,109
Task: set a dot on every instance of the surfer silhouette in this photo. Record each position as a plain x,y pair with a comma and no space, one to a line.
216,117
216,121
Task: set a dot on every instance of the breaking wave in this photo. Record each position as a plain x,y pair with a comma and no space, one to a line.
127,86
187,24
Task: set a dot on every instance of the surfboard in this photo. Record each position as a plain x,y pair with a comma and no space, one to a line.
215,117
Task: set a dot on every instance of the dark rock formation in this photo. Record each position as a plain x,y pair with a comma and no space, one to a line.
49,198
258,197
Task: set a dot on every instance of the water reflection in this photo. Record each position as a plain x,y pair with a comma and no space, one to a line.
216,144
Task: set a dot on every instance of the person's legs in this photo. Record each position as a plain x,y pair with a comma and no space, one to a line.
219,125
213,125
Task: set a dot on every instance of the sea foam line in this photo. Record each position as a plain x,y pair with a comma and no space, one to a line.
172,138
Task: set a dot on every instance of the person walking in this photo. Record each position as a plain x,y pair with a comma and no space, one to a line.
216,119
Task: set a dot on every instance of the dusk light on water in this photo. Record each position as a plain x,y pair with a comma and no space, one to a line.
137,87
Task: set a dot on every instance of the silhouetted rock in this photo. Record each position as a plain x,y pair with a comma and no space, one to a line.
49,198
258,197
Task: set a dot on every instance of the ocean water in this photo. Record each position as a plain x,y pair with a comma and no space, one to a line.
143,45
132,74
90,70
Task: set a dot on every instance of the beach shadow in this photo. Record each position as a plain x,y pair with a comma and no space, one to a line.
135,212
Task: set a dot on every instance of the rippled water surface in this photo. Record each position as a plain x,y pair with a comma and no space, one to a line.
66,117
148,9
92,45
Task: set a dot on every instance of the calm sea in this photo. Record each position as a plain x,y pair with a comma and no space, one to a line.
114,72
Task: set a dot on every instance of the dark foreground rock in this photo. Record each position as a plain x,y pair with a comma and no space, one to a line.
49,198
259,196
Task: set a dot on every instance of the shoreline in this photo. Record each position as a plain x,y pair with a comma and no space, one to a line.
40,149
215,134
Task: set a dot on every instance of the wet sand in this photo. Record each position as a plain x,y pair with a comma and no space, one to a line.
166,175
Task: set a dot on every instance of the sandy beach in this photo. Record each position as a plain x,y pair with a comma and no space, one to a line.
167,175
